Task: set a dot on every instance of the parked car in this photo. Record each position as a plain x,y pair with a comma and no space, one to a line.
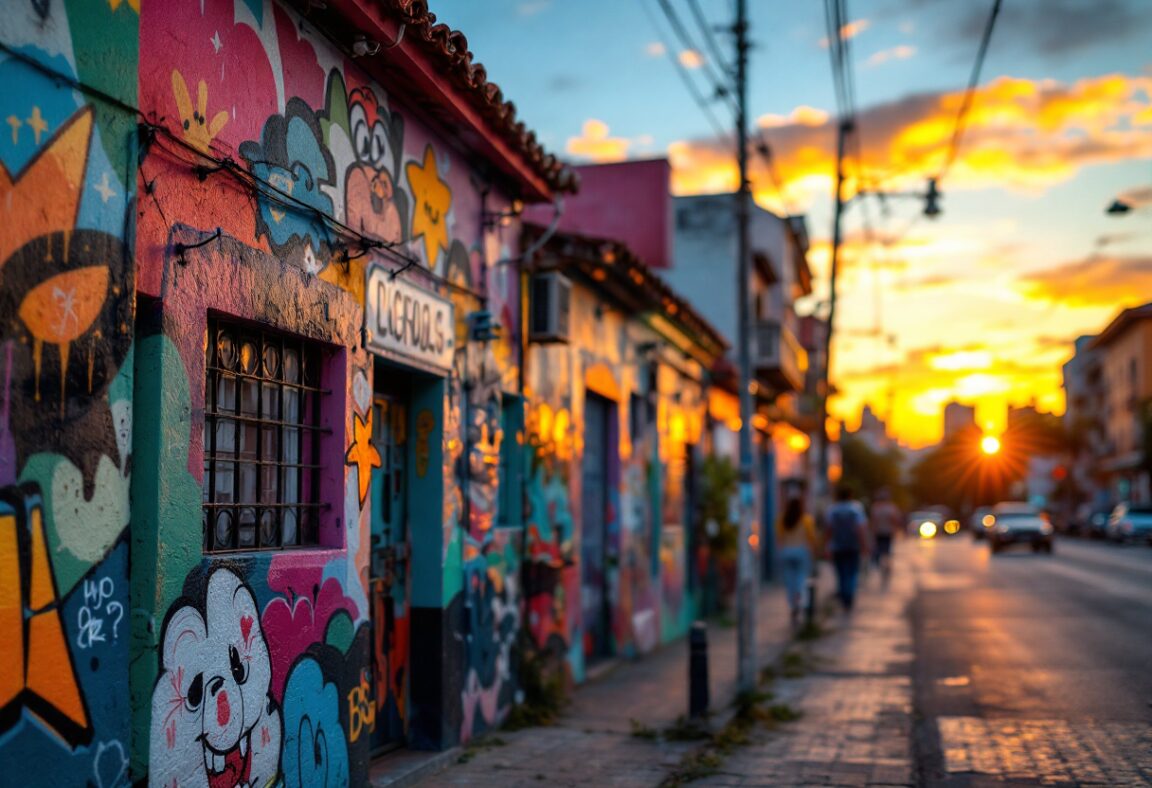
1095,526
980,522
1130,522
1019,523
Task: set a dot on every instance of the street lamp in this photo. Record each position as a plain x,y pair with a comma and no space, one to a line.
1118,208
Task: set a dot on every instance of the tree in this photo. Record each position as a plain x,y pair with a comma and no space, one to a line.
866,470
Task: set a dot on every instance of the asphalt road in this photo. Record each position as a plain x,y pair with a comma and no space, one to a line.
1033,669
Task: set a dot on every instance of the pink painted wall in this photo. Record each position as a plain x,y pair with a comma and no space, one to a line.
628,202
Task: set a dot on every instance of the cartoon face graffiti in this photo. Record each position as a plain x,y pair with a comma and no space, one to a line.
370,192
214,723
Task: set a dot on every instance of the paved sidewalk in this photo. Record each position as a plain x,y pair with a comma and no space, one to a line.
855,699
593,742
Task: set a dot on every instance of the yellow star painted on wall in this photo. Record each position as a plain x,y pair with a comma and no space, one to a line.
363,454
432,199
37,124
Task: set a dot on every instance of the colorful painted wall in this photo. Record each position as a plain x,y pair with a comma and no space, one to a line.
657,401
273,151
67,181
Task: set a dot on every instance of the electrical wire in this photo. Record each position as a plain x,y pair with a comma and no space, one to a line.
718,84
205,164
694,91
709,39
969,94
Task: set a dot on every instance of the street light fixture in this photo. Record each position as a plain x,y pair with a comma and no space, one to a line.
1118,208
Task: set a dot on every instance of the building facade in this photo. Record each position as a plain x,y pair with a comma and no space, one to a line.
253,421
957,418
617,427
1124,349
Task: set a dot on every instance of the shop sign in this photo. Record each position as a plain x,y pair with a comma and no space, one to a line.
407,321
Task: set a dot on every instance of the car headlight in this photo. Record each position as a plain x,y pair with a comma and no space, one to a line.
927,529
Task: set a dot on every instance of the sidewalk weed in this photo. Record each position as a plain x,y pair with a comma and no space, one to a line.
642,730
793,665
783,712
473,748
685,729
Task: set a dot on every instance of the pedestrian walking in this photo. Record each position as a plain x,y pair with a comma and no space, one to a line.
846,540
796,538
884,519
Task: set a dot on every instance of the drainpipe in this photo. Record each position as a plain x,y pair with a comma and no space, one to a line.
522,276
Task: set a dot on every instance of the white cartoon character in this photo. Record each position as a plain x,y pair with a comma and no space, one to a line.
214,725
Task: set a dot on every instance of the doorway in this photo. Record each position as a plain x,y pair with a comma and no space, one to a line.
389,563
596,616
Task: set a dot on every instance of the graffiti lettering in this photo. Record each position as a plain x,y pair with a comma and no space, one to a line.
98,607
407,320
361,708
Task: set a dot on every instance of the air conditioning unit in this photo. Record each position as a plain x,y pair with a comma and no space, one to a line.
548,307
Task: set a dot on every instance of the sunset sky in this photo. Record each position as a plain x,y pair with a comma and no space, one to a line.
979,305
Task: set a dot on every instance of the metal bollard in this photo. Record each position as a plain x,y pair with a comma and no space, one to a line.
810,607
698,670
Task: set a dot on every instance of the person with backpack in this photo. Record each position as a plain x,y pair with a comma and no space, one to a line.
846,539
796,539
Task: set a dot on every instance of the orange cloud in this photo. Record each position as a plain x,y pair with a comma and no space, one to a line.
596,145
1020,133
690,58
850,30
901,52
1099,280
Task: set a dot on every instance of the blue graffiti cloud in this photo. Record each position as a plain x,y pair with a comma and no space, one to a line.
315,748
292,159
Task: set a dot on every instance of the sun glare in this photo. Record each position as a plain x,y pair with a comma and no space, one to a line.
990,444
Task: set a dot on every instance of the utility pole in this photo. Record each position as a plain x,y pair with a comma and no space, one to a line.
747,565
843,129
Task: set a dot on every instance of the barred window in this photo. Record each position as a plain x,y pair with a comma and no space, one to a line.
261,439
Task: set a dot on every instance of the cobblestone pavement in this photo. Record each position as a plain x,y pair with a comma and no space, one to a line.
1048,752
855,701
593,742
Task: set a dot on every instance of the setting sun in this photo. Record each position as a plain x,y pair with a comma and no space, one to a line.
990,444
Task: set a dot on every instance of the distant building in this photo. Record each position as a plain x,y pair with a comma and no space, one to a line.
873,431
958,417
1084,422
1125,352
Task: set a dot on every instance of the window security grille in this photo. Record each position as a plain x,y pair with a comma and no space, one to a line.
261,439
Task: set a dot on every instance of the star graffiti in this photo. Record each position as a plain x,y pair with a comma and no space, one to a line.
432,199
363,454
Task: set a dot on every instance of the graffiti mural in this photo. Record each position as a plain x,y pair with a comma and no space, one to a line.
66,346
292,158
39,674
214,721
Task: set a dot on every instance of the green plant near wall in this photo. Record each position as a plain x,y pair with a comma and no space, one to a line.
542,682
715,526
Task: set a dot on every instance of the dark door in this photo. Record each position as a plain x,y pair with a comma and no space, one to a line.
594,531
388,581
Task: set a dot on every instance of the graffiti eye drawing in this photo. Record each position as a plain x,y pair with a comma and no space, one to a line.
195,694
239,669
361,133
379,144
